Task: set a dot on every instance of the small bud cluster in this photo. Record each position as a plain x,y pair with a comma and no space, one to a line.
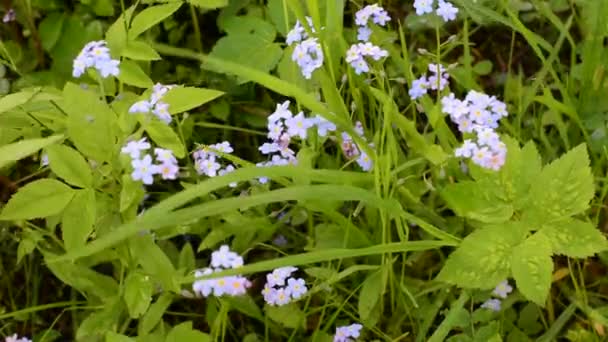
155,105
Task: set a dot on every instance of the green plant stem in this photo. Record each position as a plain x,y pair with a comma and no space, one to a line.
446,326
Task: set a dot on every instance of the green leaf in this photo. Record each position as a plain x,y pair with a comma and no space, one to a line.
478,201
290,315
84,279
132,74
154,314
339,236
277,10
371,294
116,36
11,101
42,198
140,51
150,17
563,189
210,4
184,333
187,260
483,259
50,29
154,261
138,293
532,266
21,149
78,219
101,321
131,193
245,305
70,166
114,337
181,99
91,123
165,137
575,238
29,241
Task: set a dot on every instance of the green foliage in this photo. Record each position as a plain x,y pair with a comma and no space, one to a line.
42,198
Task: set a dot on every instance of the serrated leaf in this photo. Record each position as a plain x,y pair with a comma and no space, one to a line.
532,266
91,123
78,219
132,74
150,17
184,333
564,188
70,166
21,149
138,293
181,99
165,137
483,259
154,314
140,51
290,315
42,198
154,261
210,4
371,293
478,201
575,238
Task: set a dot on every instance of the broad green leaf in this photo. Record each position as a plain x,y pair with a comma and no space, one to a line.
277,9
252,50
132,74
245,305
250,25
42,198
84,279
150,17
78,219
210,4
140,51
11,101
95,326
532,266
165,137
181,99
370,296
138,293
116,35
50,29
21,149
70,166
478,201
91,123
131,193
483,259
575,238
114,337
153,316
154,261
184,333
563,189
290,315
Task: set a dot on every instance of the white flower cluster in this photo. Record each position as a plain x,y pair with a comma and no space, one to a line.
478,113
308,53
207,161
95,55
15,338
155,105
282,127
351,150
438,80
281,288
143,168
378,15
221,259
502,290
348,333
356,54
445,9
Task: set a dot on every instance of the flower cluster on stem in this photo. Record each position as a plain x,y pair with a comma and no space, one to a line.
307,53
502,290
143,167
221,259
444,9
357,53
15,338
437,80
96,55
377,14
208,162
348,333
281,289
154,105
